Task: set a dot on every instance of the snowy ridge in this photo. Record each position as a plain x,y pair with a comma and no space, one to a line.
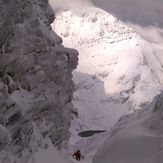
117,70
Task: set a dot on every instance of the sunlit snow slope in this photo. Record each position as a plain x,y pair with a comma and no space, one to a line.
117,70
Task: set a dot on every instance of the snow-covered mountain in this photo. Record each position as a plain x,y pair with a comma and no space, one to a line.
117,70
36,86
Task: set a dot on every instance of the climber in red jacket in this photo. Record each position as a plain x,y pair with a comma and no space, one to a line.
77,155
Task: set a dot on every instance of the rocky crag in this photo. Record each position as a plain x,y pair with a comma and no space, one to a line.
36,85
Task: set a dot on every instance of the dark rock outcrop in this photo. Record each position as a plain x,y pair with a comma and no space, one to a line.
36,85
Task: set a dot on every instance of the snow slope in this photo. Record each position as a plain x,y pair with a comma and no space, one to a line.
117,70
88,147
49,155
137,138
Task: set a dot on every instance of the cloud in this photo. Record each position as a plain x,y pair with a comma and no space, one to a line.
142,12
69,4
145,16
153,34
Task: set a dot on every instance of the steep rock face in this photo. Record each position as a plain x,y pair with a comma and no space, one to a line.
136,138
117,70
36,85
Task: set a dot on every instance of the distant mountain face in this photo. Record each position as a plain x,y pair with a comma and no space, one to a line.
36,87
117,70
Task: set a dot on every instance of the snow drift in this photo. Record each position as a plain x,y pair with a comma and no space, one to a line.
136,138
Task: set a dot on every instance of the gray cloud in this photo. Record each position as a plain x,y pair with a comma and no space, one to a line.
69,4
145,16
142,12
